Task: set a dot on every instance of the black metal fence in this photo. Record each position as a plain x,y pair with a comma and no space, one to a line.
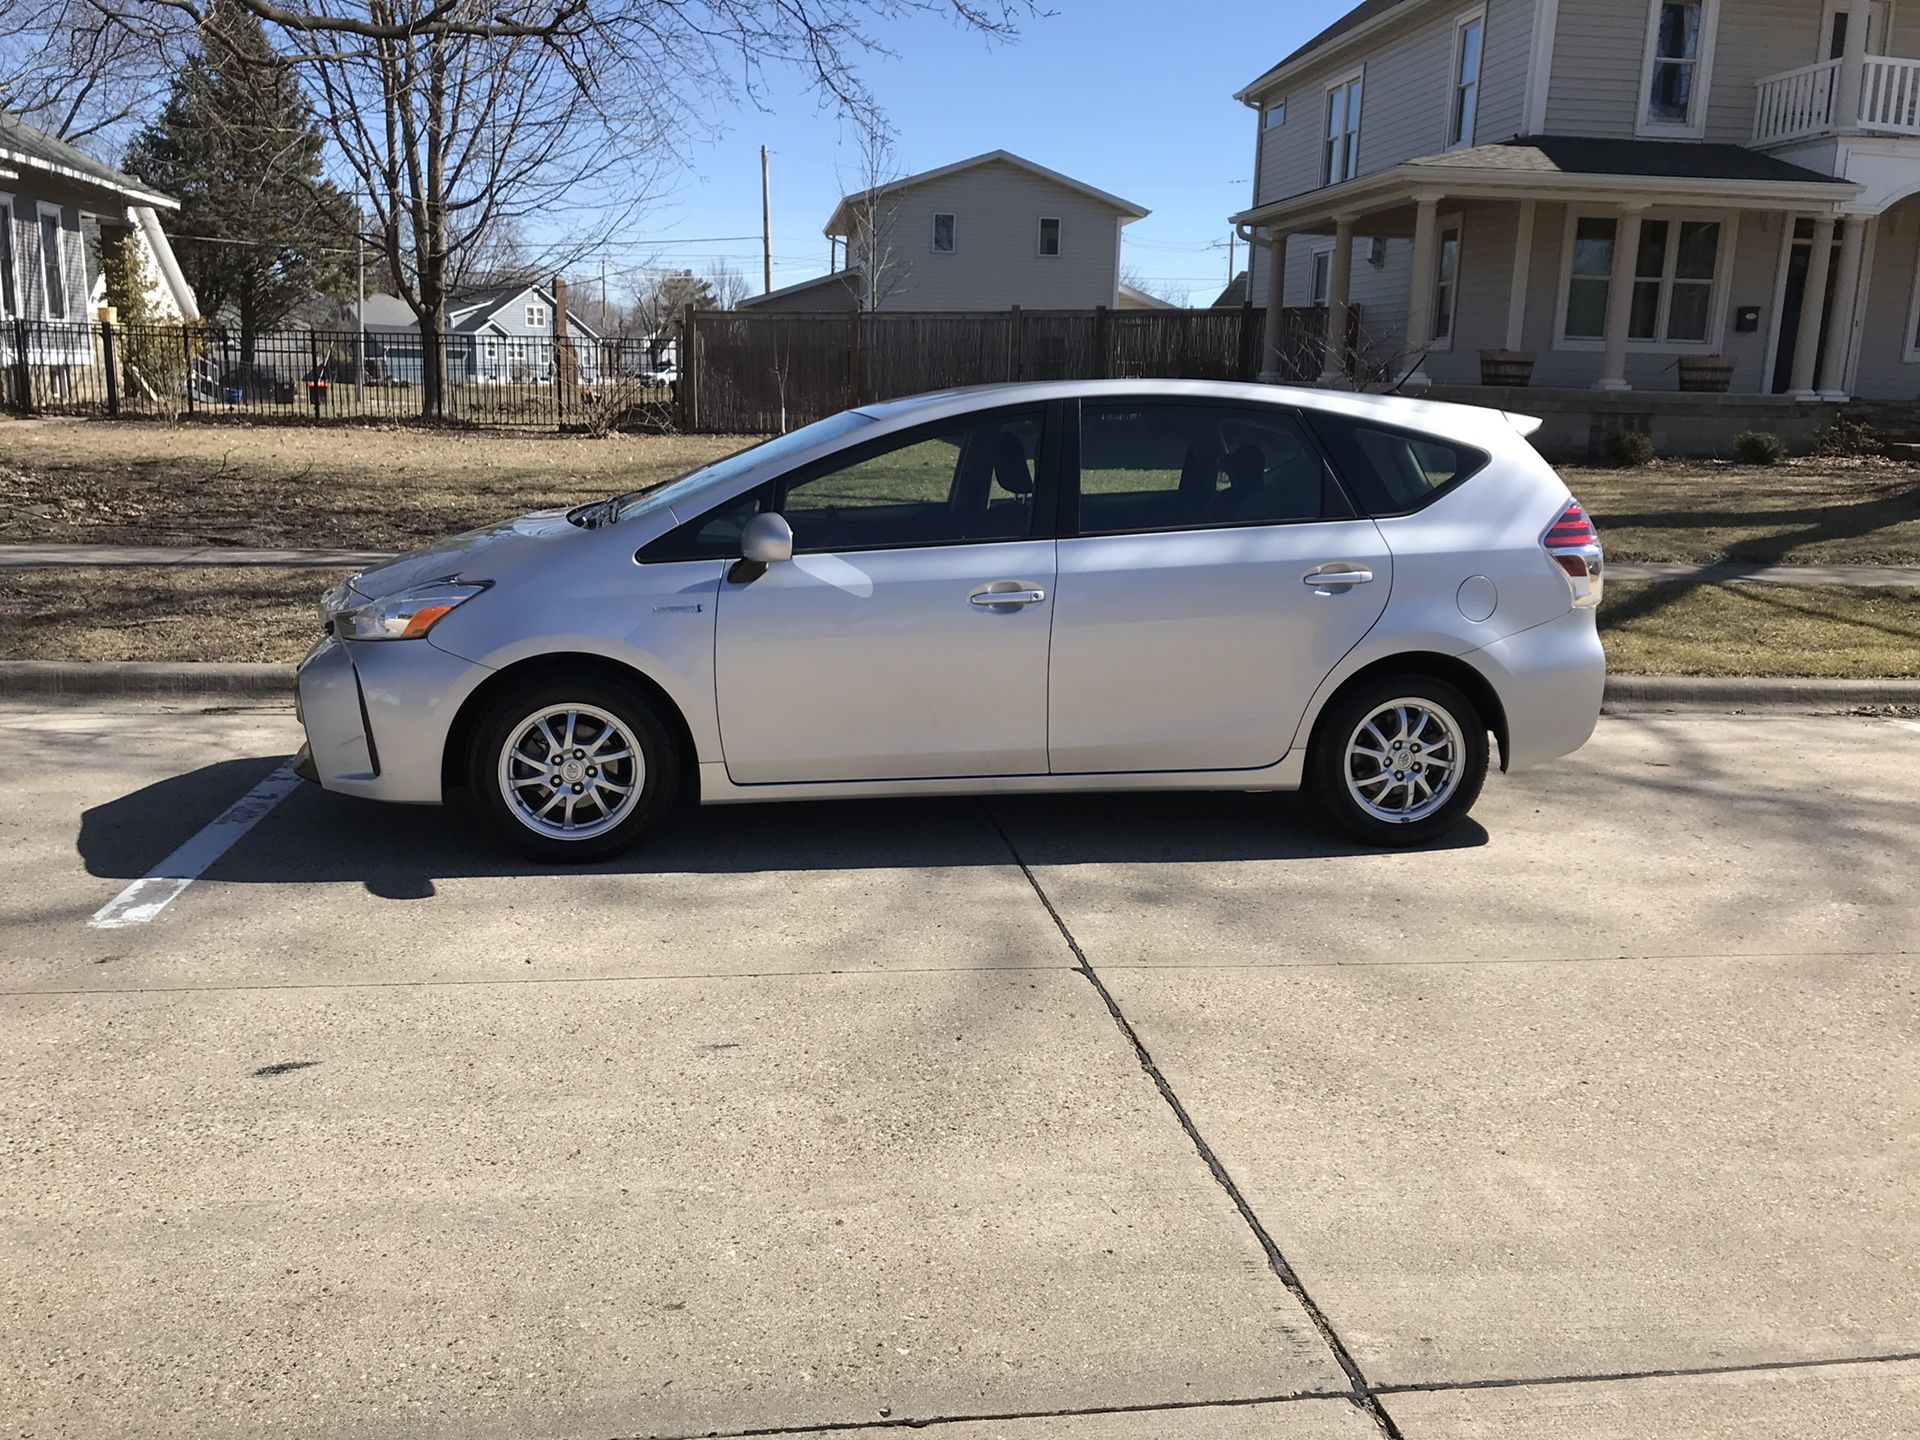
745,372
182,371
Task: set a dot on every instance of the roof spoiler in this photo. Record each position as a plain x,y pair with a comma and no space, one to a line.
1525,424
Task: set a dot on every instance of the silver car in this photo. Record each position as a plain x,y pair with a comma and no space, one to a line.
1106,585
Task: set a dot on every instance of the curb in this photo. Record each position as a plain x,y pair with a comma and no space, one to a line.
1628,693
171,680
144,679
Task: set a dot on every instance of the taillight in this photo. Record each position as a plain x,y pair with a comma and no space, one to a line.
1573,544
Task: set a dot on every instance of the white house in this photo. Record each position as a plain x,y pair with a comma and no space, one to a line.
987,233
1619,193
47,190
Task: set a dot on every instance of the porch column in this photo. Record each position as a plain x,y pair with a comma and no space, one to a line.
1339,284
1626,253
1846,294
1853,67
1806,345
1522,272
1426,234
1270,371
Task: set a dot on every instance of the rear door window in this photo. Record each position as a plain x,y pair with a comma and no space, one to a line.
1392,471
1147,465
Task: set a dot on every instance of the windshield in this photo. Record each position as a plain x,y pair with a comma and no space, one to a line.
641,502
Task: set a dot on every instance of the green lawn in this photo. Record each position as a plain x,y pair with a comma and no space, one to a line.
1748,628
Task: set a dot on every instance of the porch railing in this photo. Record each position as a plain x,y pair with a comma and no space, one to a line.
1890,96
1799,104
1795,103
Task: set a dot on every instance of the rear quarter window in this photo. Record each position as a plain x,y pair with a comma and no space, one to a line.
1391,471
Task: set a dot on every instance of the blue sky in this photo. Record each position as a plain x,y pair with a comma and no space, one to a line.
1132,96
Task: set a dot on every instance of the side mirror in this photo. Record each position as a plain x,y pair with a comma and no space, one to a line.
767,539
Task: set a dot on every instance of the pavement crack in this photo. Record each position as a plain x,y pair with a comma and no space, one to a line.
927,1422
1362,1393
1686,1372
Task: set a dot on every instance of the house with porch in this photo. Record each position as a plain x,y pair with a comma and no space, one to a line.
51,195
1690,217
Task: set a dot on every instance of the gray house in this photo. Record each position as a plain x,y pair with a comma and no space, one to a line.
985,233
1620,195
504,335
50,191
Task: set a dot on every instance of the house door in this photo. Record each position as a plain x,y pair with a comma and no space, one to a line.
1799,259
1839,18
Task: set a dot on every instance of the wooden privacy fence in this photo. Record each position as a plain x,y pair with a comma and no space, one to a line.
749,372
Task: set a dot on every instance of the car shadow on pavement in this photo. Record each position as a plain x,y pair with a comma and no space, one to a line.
399,850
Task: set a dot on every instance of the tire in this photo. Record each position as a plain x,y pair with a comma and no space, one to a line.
610,718
1362,796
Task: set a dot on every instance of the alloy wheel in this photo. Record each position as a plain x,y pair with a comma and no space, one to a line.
1404,760
572,772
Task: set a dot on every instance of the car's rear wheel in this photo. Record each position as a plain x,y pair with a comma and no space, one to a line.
571,770
1398,759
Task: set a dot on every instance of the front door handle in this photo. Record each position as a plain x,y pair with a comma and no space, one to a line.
991,599
1329,575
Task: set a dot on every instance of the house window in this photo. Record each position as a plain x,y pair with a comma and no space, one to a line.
1679,54
1320,277
1675,274
1446,284
52,274
9,299
493,349
942,234
536,317
1342,150
1469,39
1049,236
1274,115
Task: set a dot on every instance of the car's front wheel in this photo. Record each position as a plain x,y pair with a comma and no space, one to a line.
1398,759
571,770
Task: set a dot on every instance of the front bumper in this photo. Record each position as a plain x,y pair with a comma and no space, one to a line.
1550,680
377,716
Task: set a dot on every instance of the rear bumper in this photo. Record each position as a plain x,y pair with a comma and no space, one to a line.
1550,680
377,716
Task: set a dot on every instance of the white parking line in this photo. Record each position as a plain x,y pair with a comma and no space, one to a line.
154,891
1913,725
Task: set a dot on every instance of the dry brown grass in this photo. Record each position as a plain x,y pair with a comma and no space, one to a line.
1665,628
166,613
1826,631
142,483
1801,512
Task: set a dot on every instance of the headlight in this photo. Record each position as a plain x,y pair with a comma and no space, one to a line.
408,615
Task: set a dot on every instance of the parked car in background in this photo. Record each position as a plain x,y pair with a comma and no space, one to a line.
250,382
1103,585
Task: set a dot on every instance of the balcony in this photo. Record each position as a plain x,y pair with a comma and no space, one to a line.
1813,100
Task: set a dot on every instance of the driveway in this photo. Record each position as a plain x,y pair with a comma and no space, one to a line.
1106,1118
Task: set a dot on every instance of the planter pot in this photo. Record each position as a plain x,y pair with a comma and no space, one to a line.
1705,374
1506,367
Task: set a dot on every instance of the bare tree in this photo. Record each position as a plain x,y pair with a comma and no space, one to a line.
77,72
727,285
456,117
1171,291
873,213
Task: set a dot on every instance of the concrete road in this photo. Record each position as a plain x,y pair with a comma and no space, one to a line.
1108,1118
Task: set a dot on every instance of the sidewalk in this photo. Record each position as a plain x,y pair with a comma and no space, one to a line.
41,557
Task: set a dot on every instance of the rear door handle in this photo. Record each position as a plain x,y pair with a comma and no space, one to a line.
994,599
1338,575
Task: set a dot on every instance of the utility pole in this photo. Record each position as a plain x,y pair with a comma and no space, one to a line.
766,227
1232,236
360,312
